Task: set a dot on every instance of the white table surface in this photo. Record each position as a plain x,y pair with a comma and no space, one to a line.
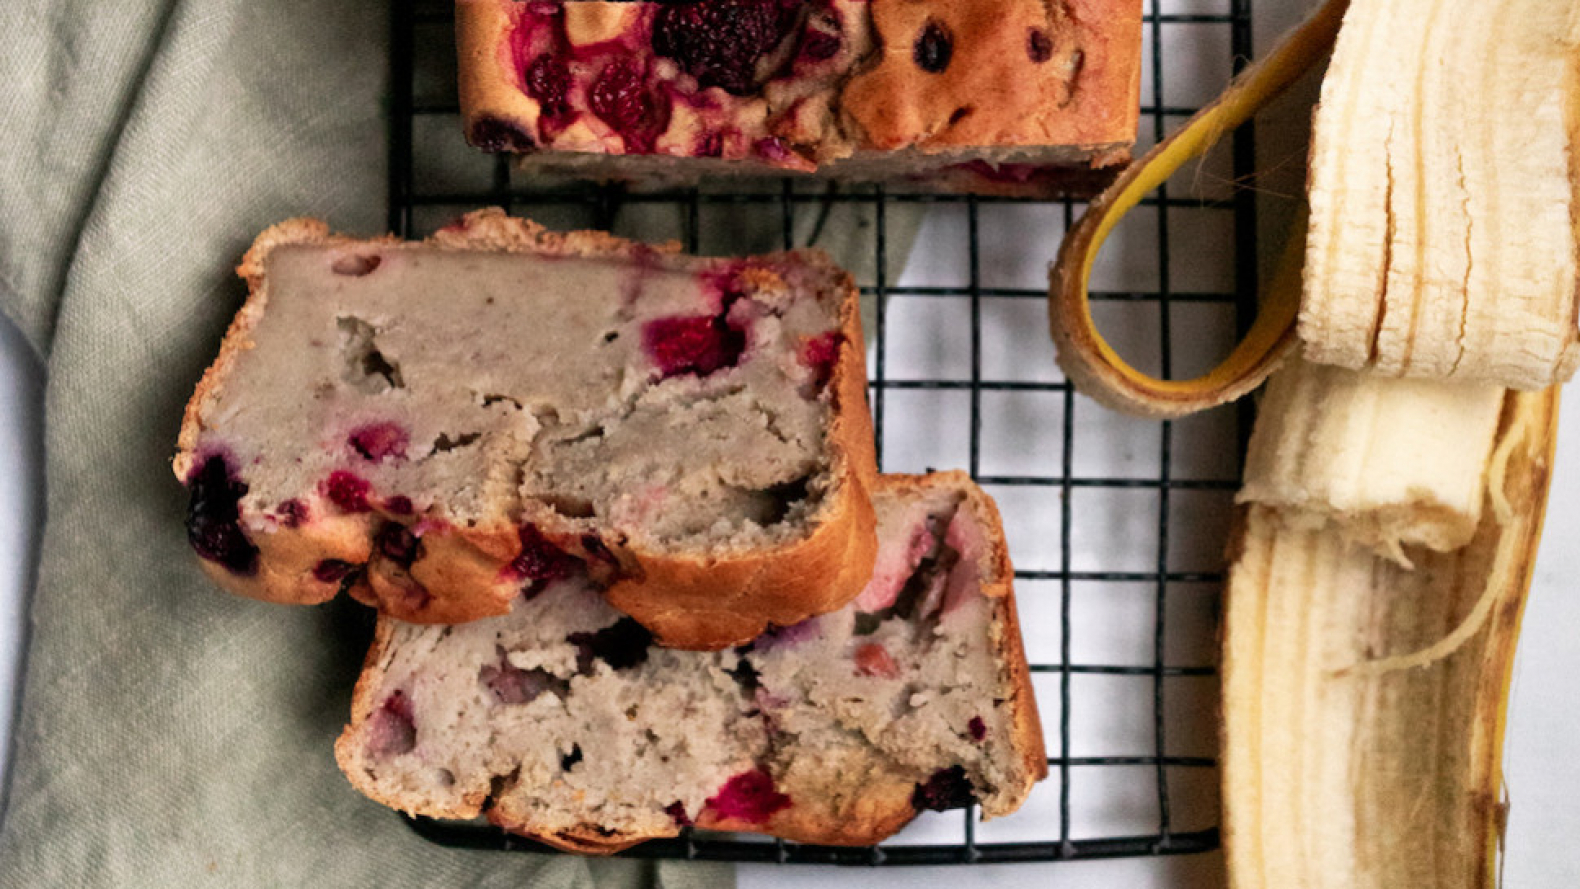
1543,770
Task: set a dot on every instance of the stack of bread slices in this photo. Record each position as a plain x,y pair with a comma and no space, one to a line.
619,511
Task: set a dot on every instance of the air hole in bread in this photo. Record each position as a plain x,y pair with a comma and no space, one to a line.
571,507
446,442
492,399
569,760
356,265
366,368
622,645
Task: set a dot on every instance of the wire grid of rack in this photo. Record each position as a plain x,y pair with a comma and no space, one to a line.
423,105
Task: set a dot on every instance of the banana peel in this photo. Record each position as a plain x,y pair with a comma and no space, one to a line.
1441,186
1364,702
1086,358
1439,239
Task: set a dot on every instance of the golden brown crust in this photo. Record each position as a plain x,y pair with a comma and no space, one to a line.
484,77
1025,721
1084,92
462,575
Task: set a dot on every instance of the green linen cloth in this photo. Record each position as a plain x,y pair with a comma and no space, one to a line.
171,735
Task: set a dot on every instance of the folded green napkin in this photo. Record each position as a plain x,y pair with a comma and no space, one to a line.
171,735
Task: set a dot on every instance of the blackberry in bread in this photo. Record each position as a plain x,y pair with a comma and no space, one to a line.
440,427
997,96
561,722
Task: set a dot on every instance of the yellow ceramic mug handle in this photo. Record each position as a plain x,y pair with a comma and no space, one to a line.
1089,361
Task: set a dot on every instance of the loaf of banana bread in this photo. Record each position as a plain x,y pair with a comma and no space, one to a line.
439,427
1000,96
561,722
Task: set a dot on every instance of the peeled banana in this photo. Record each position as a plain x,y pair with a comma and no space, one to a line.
1441,239
1388,464
1364,700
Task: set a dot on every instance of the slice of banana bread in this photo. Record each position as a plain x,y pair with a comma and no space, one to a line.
998,96
561,722
437,427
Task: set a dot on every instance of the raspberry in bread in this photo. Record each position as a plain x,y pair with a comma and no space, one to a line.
999,96
560,722
438,427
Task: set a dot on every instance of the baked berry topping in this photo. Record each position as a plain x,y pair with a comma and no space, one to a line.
347,491
721,42
749,796
977,728
548,79
398,544
332,570
214,517
772,149
933,49
711,145
493,134
677,811
513,685
1039,46
946,789
621,98
391,730
539,559
292,512
400,504
355,265
819,46
873,659
377,442
622,645
820,353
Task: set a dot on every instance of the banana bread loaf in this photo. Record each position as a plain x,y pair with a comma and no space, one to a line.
998,96
559,721
437,427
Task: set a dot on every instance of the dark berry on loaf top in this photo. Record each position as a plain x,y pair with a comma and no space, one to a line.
441,427
558,722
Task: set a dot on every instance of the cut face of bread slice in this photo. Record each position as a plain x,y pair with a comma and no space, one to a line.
439,427
561,722
999,96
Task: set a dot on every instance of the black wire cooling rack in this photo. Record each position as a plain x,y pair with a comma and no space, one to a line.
425,122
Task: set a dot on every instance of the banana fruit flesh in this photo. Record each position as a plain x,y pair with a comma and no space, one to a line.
1350,758
1388,464
1441,238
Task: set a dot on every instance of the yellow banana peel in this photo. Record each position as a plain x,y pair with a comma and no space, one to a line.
1364,702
